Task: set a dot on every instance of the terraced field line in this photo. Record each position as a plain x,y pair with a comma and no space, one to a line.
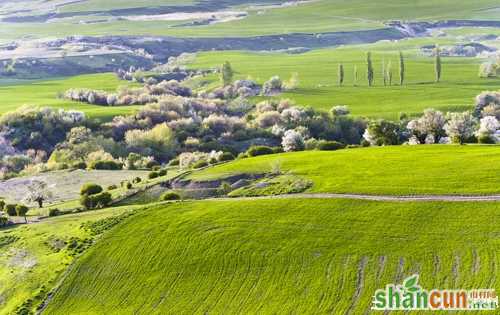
415,198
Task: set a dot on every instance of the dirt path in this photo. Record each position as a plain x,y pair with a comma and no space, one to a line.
449,198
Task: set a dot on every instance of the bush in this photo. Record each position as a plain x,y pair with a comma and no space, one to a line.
129,185
90,189
200,164
153,175
112,187
96,201
11,209
485,139
156,168
277,150
106,165
226,156
2,204
162,172
152,164
174,162
259,150
21,210
330,146
54,212
242,156
170,196
80,166
137,180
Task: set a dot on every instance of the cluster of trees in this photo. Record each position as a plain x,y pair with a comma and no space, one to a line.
387,70
12,210
149,93
436,127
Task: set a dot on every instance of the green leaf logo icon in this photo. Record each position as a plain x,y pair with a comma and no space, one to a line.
411,284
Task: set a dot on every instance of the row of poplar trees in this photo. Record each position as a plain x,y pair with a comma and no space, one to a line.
387,74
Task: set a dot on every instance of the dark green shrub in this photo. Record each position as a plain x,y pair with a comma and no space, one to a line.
137,180
213,161
112,187
155,168
96,201
54,212
21,210
226,156
152,165
259,150
2,204
174,162
80,166
106,165
277,150
170,196
330,145
90,189
162,172
11,209
200,164
153,175
485,139
242,156
129,185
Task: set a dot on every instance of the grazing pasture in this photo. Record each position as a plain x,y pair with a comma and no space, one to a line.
278,256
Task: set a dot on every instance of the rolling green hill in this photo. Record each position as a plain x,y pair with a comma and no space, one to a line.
33,257
318,78
45,93
398,170
277,256
307,17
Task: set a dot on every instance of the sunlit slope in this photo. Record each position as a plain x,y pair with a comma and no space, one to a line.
278,256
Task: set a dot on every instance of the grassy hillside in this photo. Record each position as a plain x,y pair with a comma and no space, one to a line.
277,256
319,80
32,257
316,16
399,170
45,93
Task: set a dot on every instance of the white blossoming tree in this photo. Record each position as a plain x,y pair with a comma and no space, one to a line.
460,126
488,128
293,141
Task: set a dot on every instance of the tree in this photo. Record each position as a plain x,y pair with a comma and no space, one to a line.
21,211
38,191
383,132
389,73
4,221
437,64
384,73
369,73
460,127
355,77
293,141
341,74
227,74
401,68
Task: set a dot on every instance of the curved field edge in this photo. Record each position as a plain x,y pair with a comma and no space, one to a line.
36,255
279,256
401,170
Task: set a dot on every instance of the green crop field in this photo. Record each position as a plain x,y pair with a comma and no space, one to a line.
45,93
275,256
35,256
400,170
312,17
318,77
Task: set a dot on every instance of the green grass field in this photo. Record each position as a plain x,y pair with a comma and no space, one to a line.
277,256
316,16
399,170
319,80
45,93
38,255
